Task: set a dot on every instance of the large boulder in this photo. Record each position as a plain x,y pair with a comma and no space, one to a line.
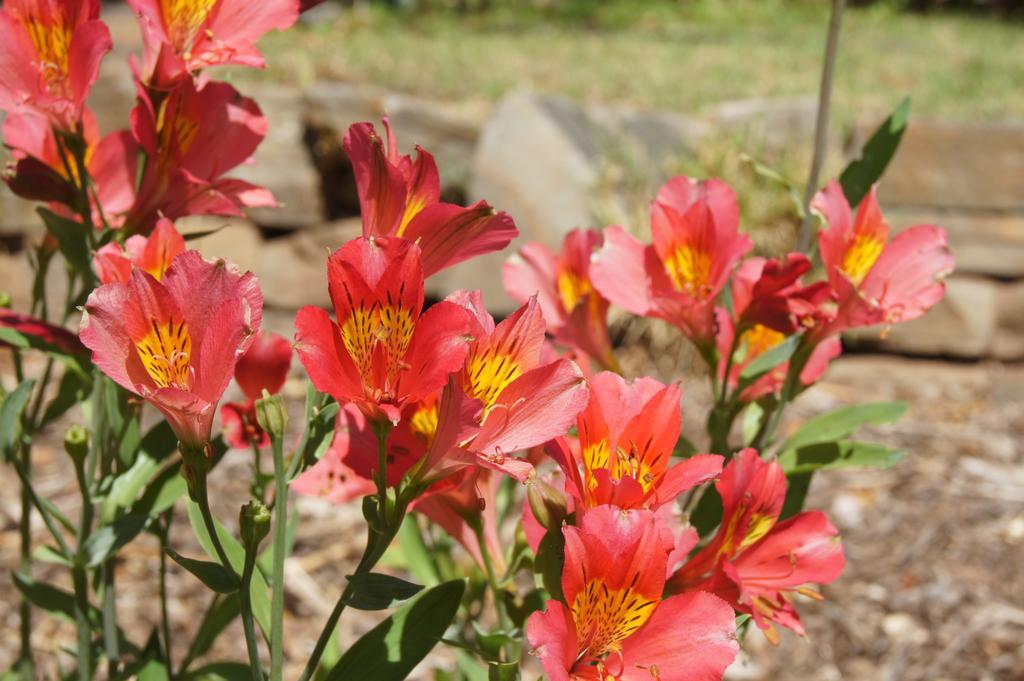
544,160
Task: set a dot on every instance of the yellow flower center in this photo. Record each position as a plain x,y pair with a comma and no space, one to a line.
861,256
690,270
52,42
183,19
166,353
489,373
757,340
367,328
424,423
604,617
572,288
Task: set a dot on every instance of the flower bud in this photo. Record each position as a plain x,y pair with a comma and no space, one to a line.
272,415
5,300
546,503
254,523
76,443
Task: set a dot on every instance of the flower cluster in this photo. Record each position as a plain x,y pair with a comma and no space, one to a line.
644,550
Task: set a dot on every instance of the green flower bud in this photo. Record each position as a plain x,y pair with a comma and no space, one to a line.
76,443
546,503
5,299
254,523
272,415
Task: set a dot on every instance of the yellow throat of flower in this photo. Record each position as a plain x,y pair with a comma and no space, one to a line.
366,328
489,373
605,618
861,256
183,19
690,270
759,339
52,42
572,288
166,354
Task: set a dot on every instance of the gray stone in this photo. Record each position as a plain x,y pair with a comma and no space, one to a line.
963,324
283,163
236,240
984,242
769,124
293,269
957,166
1009,337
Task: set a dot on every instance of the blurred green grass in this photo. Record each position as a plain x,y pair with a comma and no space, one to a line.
681,55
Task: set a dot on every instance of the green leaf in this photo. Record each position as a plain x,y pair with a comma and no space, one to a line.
48,554
841,423
108,539
796,494
708,514
73,389
162,492
389,651
127,486
236,554
160,442
71,239
502,671
414,551
377,591
221,671
753,417
767,361
551,561
213,575
219,615
841,454
153,670
53,600
878,151
10,416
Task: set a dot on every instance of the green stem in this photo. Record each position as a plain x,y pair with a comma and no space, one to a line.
81,580
248,625
165,620
257,479
26,486
110,642
821,124
26,556
492,580
280,539
203,502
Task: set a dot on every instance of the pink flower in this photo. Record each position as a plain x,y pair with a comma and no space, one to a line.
264,366
697,244
50,52
184,36
401,197
756,562
176,341
614,623
27,325
505,399
627,435
769,292
382,352
192,137
153,254
754,342
877,281
576,314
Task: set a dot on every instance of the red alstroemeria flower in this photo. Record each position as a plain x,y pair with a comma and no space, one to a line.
877,281
192,137
505,399
576,314
402,197
184,36
756,340
614,623
175,341
41,171
264,366
769,292
51,334
50,53
152,254
382,353
626,437
697,244
756,562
